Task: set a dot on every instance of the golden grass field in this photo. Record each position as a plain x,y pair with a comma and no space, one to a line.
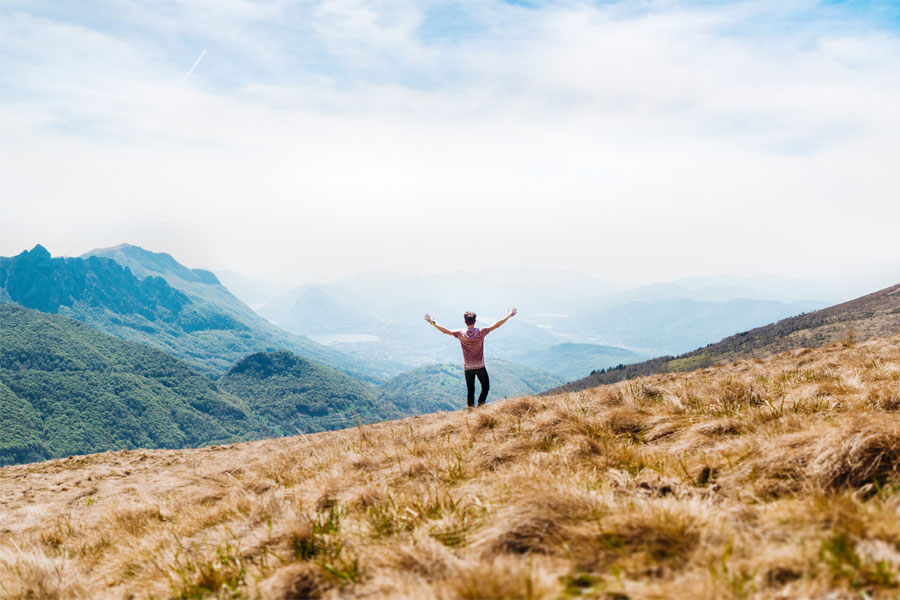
763,478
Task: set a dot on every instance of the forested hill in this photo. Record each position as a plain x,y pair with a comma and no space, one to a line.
871,316
197,319
68,389
292,395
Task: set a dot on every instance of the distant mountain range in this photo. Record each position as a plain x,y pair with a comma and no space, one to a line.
312,310
253,293
149,297
380,315
673,326
873,315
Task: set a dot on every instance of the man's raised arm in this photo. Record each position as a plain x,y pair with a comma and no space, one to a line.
431,320
510,315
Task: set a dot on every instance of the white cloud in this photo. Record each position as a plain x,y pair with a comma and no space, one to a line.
633,145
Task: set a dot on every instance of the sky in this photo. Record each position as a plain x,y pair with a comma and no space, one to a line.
636,141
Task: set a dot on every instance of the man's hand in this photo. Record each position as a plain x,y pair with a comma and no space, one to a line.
509,315
431,320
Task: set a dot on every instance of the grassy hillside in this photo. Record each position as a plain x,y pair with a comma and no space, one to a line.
442,387
874,315
769,478
292,395
67,389
154,300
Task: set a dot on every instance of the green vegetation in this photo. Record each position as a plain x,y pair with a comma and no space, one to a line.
154,300
292,395
19,424
67,389
442,387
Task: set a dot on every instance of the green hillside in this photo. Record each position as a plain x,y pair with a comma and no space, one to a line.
442,387
154,300
68,389
20,428
292,395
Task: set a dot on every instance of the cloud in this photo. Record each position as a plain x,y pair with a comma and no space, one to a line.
331,137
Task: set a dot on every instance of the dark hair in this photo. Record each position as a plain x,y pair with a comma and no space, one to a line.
469,317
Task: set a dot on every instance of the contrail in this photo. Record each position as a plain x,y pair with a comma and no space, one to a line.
194,66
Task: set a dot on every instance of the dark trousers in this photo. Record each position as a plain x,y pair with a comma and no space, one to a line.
483,379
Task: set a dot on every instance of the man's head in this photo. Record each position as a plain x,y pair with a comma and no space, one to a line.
469,317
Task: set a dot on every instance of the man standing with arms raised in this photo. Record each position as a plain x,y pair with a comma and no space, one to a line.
472,341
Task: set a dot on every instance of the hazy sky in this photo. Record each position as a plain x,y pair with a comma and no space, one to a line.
635,141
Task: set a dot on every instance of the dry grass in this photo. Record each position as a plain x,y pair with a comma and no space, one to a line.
771,478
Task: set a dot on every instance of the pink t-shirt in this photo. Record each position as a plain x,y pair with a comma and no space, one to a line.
472,341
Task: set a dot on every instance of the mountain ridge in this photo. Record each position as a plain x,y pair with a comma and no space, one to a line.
870,316
180,311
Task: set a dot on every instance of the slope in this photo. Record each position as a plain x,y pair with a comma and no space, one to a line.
442,387
873,315
197,320
292,395
67,389
770,478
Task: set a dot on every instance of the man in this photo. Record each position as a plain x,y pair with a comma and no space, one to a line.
472,341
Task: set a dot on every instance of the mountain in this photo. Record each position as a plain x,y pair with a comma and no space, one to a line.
379,314
873,315
674,326
397,297
68,389
182,311
292,395
442,387
767,287
571,360
254,293
201,286
317,311
771,478
312,311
